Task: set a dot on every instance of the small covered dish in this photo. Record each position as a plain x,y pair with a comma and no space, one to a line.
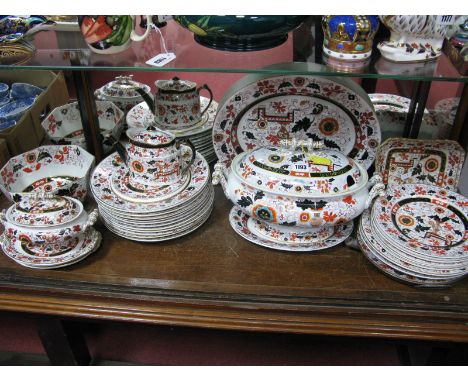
298,184
122,92
45,220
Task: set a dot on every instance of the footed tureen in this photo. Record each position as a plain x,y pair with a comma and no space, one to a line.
297,185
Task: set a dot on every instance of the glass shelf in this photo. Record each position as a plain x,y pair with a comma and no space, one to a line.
66,50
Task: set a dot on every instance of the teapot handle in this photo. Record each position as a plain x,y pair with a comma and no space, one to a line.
147,98
205,87
119,147
194,153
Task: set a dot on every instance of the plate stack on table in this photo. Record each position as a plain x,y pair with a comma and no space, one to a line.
418,234
157,214
200,134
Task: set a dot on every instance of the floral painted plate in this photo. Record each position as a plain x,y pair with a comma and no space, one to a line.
389,270
141,117
174,217
432,162
100,184
15,249
123,188
405,262
385,254
240,223
157,238
392,111
264,112
431,220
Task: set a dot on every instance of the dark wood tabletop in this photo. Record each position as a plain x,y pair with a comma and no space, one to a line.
214,278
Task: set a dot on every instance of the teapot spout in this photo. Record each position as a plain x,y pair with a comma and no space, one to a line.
147,98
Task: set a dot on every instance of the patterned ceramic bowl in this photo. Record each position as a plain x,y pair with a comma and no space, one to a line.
64,127
20,90
4,89
61,170
14,110
44,220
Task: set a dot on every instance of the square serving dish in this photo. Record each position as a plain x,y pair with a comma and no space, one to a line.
433,162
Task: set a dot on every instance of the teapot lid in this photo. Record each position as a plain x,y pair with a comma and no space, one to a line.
150,137
299,168
176,85
124,87
44,210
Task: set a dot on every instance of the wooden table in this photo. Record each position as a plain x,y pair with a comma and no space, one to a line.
214,278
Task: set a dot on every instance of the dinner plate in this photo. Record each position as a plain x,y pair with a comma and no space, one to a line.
102,189
14,249
397,275
239,222
395,258
430,219
141,117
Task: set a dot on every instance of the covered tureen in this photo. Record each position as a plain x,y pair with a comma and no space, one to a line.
47,221
298,185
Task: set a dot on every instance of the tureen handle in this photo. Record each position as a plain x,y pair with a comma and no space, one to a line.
220,177
205,87
3,217
377,190
375,179
194,153
92,218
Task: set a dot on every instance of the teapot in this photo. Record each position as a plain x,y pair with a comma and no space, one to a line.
176,103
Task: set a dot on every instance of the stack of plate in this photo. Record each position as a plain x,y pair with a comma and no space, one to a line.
152,214
418,234
199,134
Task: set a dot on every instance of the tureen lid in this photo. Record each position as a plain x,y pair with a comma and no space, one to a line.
151,137
124,87
176,85
299,168
44,210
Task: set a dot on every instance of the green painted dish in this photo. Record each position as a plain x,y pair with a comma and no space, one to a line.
240,33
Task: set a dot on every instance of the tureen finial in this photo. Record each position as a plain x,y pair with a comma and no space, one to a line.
294,143
124,78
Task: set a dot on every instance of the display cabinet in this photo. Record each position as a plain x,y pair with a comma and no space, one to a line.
213,277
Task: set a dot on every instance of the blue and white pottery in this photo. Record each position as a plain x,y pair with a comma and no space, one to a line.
3,90
4,101
7,124
15,109
20,90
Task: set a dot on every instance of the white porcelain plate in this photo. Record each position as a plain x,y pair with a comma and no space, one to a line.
15,250
429,219
141,117
240,223
101,188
